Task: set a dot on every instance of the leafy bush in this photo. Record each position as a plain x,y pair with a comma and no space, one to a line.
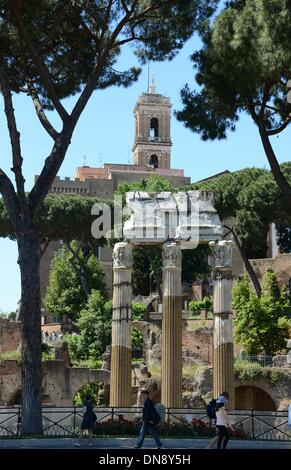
87,389
136,338
196,305
261,325
245,370
10,355
138,311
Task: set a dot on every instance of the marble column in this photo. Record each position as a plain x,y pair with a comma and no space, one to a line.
223,367
171,384
120,379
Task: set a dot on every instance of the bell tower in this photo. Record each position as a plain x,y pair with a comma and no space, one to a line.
152,139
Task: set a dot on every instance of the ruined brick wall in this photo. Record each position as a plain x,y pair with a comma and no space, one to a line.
281,265
10,335
59,383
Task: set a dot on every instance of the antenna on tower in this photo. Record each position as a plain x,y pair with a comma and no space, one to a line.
148,76
84,160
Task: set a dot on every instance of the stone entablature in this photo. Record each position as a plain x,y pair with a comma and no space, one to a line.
187,217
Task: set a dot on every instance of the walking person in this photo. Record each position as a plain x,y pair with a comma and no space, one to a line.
211,413
221,423
150,418
88,421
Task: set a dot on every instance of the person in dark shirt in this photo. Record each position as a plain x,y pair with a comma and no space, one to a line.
149,421
88,421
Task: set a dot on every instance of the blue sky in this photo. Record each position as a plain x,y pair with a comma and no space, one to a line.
105,134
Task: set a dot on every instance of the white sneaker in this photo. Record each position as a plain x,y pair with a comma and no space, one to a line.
77,444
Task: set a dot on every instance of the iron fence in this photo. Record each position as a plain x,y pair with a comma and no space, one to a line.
65,421
263,360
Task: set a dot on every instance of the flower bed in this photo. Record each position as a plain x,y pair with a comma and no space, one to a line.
195,429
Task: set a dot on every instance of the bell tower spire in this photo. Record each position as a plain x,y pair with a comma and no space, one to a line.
152,139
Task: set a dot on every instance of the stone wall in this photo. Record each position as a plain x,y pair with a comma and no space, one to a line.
60,383
10,335
281,265
196,341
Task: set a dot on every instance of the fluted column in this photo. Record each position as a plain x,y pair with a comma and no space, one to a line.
172,327
120,378
223,367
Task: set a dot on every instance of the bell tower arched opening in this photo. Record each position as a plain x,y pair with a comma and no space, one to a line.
154,129
154,161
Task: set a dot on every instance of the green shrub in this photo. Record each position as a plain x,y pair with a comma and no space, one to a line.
10,355
136,338
196,305
245,370
138,311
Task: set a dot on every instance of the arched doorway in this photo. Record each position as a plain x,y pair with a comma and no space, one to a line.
15,398
248,397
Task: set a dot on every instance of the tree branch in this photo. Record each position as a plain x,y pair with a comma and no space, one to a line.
44,75
13,134
10,200
43,247
41,114
248,266
50,168
280,128
266,91
275,167
270,154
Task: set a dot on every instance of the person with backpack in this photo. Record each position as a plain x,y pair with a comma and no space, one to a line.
150,418
221,423
210,410
211,413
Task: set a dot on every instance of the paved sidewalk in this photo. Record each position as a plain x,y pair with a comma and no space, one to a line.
129,443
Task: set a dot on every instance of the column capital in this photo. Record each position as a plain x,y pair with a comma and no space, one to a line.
172,255
220,258
122,256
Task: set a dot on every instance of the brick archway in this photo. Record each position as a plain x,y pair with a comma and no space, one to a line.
248,397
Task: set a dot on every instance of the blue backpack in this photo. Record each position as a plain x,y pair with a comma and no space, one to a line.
211,408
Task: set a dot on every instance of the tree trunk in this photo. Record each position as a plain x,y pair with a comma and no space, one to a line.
275,167
31,378
248,266
157,277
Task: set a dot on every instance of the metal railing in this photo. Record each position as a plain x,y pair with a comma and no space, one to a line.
65,421
263,360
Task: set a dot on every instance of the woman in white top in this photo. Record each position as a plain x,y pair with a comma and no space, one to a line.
221,424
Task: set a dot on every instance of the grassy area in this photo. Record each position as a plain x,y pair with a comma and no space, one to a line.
189,372
90,363
11,355
155,370
246,370
196,325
